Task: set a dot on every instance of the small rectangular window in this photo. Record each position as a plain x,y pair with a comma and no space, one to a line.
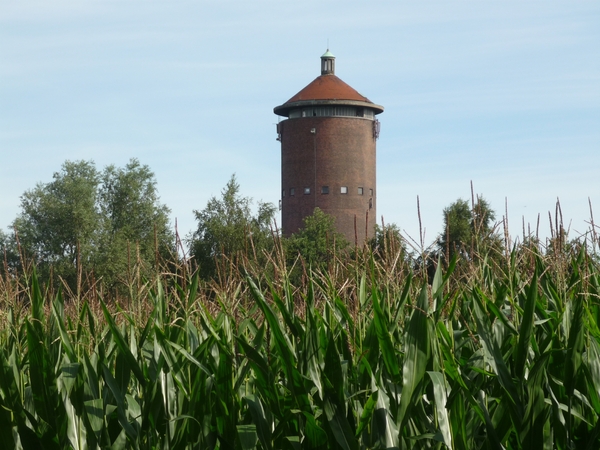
371,192
344,190
306,190
292,191
283,193
360,191
325,190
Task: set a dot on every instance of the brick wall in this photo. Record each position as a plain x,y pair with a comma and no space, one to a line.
343,149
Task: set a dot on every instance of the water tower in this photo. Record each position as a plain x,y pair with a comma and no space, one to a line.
328,155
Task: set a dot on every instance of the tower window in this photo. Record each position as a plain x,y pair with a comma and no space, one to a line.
325,190
326,111
344,190
306,190
371,192
360,191
283,193
292,191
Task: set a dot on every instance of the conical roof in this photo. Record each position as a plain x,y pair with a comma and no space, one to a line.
327,89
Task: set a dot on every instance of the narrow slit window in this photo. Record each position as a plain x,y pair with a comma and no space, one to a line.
371,192
283,193
292,191
360,191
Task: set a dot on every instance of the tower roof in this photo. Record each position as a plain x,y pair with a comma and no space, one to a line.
327,54
327,89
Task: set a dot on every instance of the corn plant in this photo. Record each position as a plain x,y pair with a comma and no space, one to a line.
507,360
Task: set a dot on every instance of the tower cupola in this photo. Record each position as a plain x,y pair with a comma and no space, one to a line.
327,63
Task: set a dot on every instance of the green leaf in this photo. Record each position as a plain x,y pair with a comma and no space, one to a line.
95,415
417,355
247,436
574,345
37,303
367,413
387,349
123,347
43,385
339,426
498,364
440,394
538,411
121,407
262,420
76,432
526,329
333,371
384,429
314,433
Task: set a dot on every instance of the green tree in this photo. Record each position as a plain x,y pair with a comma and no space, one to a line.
317,242
59,222
387,242
8,251
85,221
228,230
465,227
132,217
483,217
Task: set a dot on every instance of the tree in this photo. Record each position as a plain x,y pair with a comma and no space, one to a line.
464,227
482,217
84,221
227,229
133,217
317,241
9,251
387,242
59,221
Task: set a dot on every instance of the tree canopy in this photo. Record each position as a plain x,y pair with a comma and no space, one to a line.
317,241
462,224
132,215
87,220
227,229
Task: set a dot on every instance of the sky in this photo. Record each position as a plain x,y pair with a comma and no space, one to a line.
501,94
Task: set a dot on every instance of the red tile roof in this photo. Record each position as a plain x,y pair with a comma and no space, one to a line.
328,87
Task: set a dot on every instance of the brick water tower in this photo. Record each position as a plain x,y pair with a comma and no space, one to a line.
328,155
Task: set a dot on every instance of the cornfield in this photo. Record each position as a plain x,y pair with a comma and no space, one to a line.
508,358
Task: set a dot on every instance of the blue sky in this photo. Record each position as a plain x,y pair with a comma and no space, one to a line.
505,94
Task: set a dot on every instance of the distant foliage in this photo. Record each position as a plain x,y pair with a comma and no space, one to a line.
388,242
132,218
318,242
89,223
466,229
228,231
60,223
